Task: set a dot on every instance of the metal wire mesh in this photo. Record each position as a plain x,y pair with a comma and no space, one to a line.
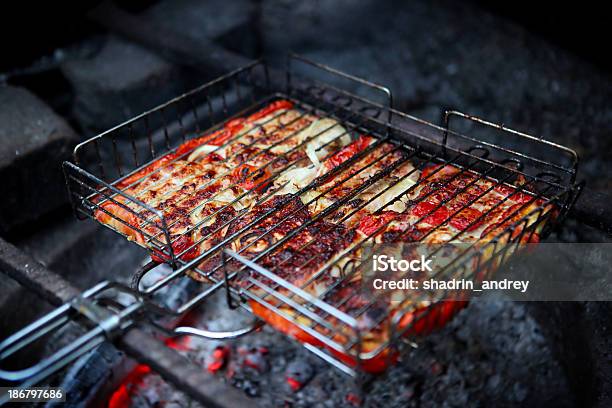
106,166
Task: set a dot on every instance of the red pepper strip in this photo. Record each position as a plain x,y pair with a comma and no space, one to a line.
465,217
534,238
273,107
112,215
181,244
219,137
516,196
508,217
493,230
445,170
216,138
371,223
149,169
434,219
348,151
231,128
248,177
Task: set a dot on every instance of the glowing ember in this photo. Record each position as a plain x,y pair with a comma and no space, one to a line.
254,357
219,359
122,396
353,399
294,384
178,343
298,373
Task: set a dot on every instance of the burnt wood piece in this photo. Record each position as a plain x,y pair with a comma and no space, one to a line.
137,342
182,49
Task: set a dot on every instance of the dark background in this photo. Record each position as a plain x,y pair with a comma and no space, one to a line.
543,68
30,29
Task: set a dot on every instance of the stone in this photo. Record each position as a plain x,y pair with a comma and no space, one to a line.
83,252
119,82
123,79
17,300
34,141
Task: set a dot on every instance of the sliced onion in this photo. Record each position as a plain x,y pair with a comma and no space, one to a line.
312,155
295,179
205,150
390,194
319,288
323,131
228,196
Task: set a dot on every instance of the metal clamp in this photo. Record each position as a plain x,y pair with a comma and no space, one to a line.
108,321
106,325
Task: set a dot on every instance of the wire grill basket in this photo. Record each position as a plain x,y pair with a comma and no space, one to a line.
105,165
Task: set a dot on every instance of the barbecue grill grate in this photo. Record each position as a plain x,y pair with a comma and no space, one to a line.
102,163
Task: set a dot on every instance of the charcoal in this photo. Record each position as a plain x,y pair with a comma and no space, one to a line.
464,333
83,381
256,360
444,371
520,392
300,370
251,389
15,300
453,369
228,23
493,383
34,141
121,81
82,251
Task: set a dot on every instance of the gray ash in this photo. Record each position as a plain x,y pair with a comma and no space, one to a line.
492,354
